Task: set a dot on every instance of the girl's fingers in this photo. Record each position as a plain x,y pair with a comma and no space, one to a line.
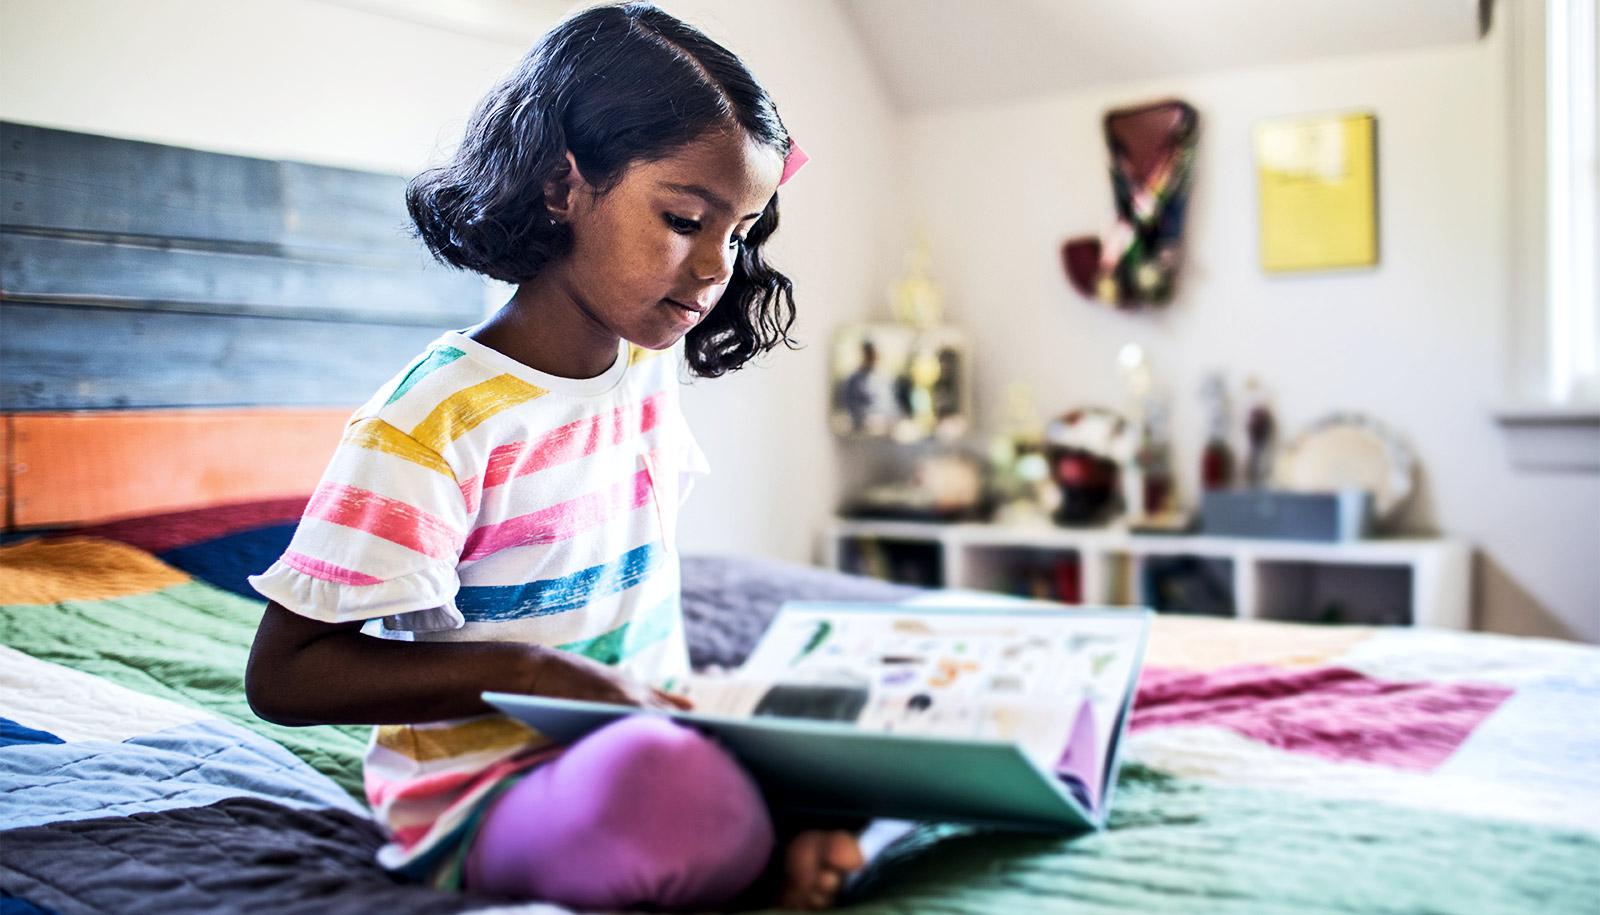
665,702
681,703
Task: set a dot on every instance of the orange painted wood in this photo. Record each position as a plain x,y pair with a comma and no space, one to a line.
93,466
5,473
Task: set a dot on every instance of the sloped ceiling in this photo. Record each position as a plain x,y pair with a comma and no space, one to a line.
938,53
515,22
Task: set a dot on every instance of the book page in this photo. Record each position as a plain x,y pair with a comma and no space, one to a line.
900,708
1018,677
1107,642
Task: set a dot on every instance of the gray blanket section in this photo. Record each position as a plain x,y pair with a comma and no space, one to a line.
728,601
239,855
188,766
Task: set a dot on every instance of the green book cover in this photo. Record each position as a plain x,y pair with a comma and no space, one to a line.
960,708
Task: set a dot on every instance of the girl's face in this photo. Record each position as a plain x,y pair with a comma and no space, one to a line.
652,256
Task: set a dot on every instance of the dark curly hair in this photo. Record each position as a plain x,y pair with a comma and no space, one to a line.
615,85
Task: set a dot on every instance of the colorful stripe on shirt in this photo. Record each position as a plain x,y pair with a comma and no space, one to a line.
437,358
501,603
569,443
383,517
561,521
468,408
374,434
632,637
327,571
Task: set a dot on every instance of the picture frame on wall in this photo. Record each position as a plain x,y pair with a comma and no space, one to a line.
1317,179
900,382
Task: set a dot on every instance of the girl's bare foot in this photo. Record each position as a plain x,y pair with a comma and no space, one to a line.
815,865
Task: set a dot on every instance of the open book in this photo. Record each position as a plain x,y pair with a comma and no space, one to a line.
961,708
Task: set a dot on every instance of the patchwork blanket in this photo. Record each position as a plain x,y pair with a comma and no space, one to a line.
1270,767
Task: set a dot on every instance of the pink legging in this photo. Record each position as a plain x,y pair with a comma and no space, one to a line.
642,812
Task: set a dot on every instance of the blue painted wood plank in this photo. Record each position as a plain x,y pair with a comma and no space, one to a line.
400,289
68,358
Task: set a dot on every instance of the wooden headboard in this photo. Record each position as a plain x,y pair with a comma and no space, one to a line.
186,328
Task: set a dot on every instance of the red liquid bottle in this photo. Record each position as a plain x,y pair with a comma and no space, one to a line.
1216,465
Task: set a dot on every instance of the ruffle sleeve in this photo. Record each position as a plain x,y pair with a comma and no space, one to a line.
423,601
380,538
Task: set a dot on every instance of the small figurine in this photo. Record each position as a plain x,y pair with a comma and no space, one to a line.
1147,478
1155,459
1024,492
1216,460
1259,428
1088,448
916,299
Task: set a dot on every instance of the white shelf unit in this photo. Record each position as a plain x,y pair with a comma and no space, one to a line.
1412,581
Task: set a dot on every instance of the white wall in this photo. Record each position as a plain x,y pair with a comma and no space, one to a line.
341,84
763,428
1420,342
294,79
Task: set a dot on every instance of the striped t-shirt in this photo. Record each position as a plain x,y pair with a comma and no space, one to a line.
476,499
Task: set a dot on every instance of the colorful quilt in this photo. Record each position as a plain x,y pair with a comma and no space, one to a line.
1291,768
1270,767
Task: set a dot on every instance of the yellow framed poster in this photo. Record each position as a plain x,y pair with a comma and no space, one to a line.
1317,179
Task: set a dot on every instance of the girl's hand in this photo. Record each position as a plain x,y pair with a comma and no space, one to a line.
564,675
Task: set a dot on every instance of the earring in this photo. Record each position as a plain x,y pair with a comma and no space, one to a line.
553,222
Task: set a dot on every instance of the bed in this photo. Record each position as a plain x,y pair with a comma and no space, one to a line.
162,355
1271,767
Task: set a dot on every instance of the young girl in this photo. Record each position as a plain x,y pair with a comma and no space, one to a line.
502,511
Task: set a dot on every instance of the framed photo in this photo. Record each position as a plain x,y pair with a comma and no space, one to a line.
1317,178
901,382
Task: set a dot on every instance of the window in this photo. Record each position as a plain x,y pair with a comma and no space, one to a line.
1572,196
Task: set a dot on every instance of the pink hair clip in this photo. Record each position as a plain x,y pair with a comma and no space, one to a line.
793,161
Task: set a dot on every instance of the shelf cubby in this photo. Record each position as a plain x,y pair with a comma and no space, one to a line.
1399,581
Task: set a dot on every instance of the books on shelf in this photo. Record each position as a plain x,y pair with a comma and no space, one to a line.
961,708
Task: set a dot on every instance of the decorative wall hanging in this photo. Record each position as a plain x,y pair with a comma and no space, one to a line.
1152,160
1318,186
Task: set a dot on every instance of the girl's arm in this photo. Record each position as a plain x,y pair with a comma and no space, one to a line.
303,671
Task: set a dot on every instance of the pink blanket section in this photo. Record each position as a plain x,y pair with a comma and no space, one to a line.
1331,712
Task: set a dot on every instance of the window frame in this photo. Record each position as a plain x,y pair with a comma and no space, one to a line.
1572,202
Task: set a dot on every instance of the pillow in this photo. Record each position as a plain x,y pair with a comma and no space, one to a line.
220,545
